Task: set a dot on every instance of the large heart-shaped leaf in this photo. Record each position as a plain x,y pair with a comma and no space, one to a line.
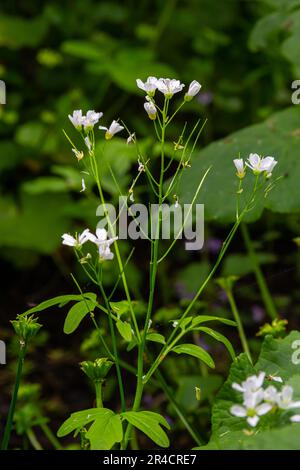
278,136
228,431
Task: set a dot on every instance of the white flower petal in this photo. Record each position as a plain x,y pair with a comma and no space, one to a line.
238,387
263,409
253,420
239,411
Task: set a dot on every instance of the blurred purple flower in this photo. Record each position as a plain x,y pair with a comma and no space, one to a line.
258,313
213,245
201,342
148,400
183,292
205,98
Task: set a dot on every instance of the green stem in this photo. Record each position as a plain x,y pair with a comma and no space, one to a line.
33,439
51,437
12,407
118,256
153,275
166,349
238,320
177,408
265,293
98,390
115,349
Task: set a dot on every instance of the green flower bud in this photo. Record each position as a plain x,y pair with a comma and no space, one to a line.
97,370
26,327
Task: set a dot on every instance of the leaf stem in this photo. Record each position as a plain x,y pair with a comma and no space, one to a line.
265,293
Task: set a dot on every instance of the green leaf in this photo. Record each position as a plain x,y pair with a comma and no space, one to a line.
61,300
77,313
206,318
219,337
195,351
28,225
16,32
81,418
83,50
277,136
239,264
120,308
156,338
105,431
124,328
45,184
150,424
227,430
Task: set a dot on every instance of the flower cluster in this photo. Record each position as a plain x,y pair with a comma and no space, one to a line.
86,122
101,240
256,163
167,86
258,401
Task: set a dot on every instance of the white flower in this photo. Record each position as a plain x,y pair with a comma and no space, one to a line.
88,143
258,164
193,90
150,109
252,409
103,243
141,166
252,384
131,139
149,86
271,395
285,399
113,129
295,419
271,167
83,186
175,323
91,119
77,241
76,119
169,86
240,167
105,253
79,155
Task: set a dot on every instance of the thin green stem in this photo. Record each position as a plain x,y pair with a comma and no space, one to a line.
153,275
265,293
12,407
119,259
33,439
180,413
165,349
115,349
51,437
98,390
239,323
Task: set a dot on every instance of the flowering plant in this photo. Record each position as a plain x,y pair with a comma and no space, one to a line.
95,248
